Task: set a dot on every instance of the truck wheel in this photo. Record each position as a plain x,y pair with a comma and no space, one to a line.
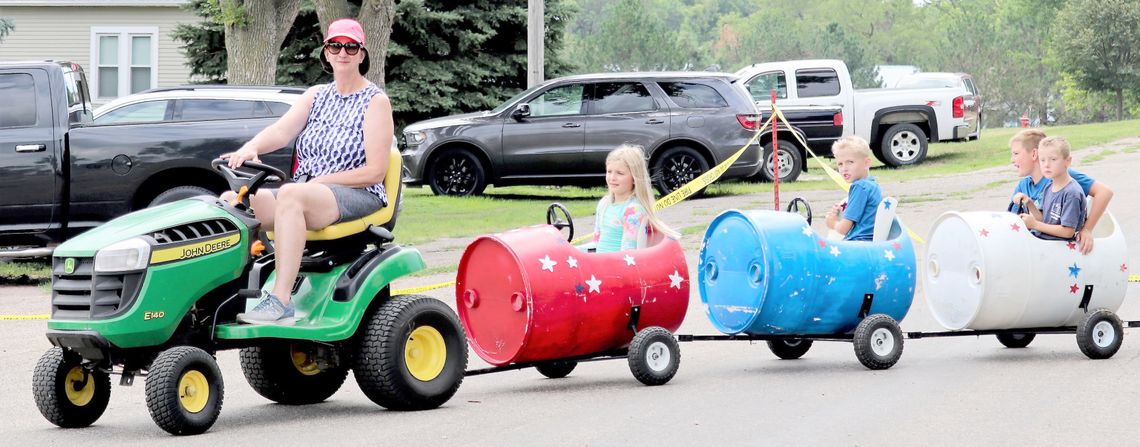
791,162
1016,340
903,144
294,373
654,356
1100,334
878,342
184,390
412,354
178,193
789,349
457,172
556,369
66,393
676,167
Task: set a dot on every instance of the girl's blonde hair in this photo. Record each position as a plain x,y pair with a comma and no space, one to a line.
634,158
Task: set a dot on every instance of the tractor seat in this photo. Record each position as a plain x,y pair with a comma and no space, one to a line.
384,217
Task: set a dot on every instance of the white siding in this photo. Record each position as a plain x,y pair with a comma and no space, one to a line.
64,33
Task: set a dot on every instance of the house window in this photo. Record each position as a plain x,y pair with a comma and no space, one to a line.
124,60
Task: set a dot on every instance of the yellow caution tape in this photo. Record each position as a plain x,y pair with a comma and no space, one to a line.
23,317
1133,278
838,179
422,288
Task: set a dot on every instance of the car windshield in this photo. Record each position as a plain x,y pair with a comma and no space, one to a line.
926,83
503,107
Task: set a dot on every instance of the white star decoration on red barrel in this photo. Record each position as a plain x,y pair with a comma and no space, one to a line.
675,279
595,284
629,260
547,263
573,263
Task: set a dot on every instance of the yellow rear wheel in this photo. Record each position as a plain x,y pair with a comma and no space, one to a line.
425,353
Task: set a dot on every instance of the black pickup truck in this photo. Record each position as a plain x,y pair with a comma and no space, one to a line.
61,175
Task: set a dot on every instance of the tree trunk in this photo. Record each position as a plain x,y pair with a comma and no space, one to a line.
253,43
1119,103
376,16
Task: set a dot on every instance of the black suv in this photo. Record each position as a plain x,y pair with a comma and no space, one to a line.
559,133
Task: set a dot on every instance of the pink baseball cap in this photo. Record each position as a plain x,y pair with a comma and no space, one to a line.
346,28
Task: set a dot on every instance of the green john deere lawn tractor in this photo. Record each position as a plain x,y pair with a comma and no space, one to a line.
156,293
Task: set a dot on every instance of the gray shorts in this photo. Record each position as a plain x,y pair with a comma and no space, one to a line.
353,203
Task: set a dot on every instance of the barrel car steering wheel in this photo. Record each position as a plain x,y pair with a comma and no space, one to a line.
800,206
245,183
552,218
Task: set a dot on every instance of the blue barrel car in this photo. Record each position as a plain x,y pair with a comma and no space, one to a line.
766,275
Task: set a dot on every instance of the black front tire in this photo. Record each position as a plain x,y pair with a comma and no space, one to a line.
184,390
556,369
903,144
1016,341
1100,334
457,172
654,356
791,162
79,406
789,349
677,166
878,342
178,193
297,373
420,376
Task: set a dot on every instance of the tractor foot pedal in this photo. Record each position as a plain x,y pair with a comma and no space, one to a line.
127,379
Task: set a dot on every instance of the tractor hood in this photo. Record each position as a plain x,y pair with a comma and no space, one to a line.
146,222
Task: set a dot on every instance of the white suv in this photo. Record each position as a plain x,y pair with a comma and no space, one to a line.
198,102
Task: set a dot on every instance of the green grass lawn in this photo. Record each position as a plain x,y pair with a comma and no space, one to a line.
24,272
427,217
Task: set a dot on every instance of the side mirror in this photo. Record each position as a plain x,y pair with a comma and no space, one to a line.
521,112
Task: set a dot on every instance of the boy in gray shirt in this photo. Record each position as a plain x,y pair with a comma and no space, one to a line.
1062,214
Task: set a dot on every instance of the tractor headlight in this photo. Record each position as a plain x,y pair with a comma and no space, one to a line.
128,255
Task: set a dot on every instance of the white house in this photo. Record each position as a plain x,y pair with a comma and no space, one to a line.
124,46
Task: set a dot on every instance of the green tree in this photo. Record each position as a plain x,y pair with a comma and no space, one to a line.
1098,45
254,32
442,59
633,35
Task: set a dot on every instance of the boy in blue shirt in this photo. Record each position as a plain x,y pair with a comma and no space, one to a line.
1062,214
855,220
1024,157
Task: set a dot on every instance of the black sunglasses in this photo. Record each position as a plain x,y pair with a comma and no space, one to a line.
349,47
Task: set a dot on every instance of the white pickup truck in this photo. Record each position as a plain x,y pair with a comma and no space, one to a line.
823,106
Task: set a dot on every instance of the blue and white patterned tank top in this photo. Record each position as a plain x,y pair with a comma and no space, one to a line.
333,138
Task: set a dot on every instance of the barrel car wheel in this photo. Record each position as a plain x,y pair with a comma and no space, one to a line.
412,354
1100,334
878,342
654,356
556,369
1018,340
67,393
788,349
184,390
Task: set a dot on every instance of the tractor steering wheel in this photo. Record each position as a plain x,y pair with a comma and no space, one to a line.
800,206
552,218
245,184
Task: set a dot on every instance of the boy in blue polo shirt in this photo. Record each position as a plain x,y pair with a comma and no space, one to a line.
1024,157
855,220
1062,213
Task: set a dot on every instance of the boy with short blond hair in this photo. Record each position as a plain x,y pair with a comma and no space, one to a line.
1024,157
1062,212
855,220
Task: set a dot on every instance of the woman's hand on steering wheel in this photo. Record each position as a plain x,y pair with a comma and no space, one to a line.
246,183
236,158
